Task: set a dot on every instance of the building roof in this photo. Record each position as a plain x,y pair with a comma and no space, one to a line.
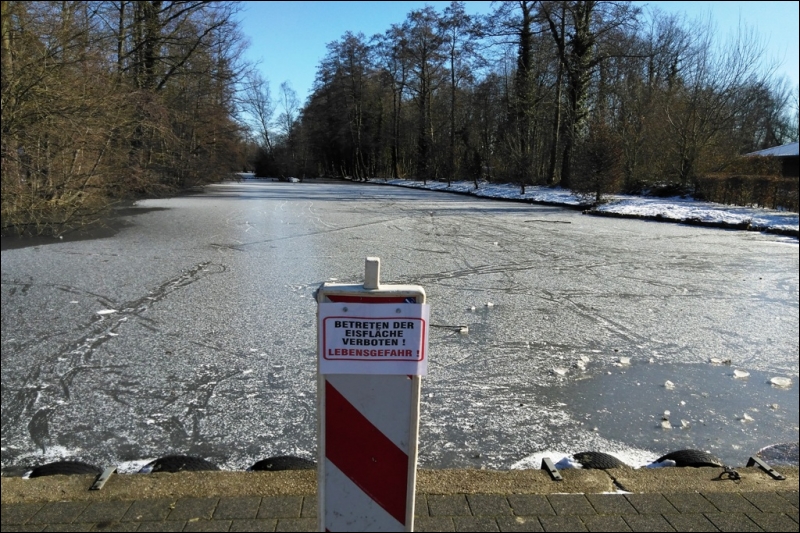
787,150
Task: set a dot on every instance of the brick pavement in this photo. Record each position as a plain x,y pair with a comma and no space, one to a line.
689,511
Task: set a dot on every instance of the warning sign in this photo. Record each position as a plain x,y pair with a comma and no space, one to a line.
359,338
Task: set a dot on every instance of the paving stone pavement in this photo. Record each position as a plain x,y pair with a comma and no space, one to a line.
749,511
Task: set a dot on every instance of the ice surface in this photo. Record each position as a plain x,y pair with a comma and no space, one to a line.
212,350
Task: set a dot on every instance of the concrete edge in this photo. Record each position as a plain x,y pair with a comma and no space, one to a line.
17,490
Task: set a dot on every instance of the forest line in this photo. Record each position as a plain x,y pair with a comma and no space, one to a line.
106,101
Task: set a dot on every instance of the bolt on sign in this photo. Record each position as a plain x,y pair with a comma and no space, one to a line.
372,344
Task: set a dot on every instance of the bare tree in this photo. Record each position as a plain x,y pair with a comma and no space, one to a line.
706,99
395,64
578,29
258,105
346,69
460,36
290,107
104,100
286,122
59,113
424,47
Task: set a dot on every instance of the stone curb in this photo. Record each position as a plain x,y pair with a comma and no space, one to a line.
442,482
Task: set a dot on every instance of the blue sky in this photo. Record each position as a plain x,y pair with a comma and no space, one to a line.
288,39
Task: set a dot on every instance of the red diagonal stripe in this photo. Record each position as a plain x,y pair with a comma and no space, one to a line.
364,454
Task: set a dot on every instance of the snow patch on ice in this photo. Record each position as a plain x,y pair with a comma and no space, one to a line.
674,208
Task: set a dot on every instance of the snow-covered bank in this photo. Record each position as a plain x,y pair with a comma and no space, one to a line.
681,210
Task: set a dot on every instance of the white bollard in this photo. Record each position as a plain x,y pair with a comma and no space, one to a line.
372,350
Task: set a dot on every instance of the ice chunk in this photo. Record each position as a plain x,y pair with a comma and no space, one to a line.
665,424
669,385
715,361
746,418
106,311
463,330
774,406
567,462
685,424
489,304
560,371
781,382
739,374
624,360
663,464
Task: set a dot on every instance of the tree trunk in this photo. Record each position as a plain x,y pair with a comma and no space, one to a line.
551,172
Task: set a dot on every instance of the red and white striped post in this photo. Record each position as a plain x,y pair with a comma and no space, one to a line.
372,343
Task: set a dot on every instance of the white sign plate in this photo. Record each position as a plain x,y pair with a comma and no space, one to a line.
359,338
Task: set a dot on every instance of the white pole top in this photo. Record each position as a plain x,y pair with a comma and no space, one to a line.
372,273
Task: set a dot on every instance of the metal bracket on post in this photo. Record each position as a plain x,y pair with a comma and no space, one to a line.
547,464
755,461
372,273
102,478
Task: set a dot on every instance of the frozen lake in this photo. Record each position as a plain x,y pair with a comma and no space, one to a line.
192,330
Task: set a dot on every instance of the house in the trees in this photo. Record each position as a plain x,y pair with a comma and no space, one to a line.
789,155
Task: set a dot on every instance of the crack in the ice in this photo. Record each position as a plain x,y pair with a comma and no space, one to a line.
62,366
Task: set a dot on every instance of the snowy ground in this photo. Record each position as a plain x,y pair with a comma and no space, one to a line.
666,209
